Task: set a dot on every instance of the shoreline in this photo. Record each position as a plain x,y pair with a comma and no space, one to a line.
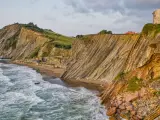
48,70
43,69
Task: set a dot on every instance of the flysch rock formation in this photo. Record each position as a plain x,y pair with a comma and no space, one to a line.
127,65
103,57
20,43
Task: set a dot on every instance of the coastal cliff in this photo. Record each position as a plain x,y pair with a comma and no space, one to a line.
125,67
103,57
128,68
28,42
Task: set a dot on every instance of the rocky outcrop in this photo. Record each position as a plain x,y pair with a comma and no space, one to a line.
133,105
21,43
103,57
128,64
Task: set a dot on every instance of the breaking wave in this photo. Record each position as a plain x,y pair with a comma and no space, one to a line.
24,95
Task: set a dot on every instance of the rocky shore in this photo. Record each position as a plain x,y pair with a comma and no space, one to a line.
129,67
124,68
137,105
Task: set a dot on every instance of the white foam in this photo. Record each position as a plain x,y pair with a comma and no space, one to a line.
49,99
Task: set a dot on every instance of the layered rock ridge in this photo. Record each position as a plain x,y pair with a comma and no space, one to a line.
102,57
21,43
127,65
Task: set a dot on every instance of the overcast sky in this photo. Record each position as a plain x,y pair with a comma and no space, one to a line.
72,17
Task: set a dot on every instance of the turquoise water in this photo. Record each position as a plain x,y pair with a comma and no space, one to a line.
24,95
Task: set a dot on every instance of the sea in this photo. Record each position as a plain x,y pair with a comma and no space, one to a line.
25,94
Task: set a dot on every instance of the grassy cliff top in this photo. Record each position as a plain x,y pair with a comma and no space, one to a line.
58,40
151,29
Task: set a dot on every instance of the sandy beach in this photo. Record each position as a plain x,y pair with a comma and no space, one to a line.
51,72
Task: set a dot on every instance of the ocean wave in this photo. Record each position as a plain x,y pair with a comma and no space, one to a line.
23,99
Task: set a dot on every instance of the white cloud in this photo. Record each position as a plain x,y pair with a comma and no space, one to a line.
72,17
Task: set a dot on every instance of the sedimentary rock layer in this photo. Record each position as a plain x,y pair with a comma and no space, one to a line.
103,57
18,42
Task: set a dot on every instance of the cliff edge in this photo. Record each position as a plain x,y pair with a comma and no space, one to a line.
27,42
128,68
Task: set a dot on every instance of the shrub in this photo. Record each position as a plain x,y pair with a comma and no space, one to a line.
79,36
38,70
119,76
134,84
157,93
151,29
105,32
59,40
63,46
33,27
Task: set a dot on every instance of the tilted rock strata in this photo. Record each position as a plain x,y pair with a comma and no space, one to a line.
20,43
103,57
128,64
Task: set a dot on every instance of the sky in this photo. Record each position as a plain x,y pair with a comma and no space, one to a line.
73,17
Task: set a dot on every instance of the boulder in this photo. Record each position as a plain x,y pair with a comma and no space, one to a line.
111,111
119,102
131,96
142,92
122,107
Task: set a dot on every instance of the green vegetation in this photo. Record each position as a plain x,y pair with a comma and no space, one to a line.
33,27
119,76
63,46
38,70
79,36
105,32
157,93
35,53
59,41
134,84
151,29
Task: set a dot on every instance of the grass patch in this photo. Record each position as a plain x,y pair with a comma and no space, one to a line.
105,32
60,41
33,27
157,93
119,76
134,84
63,46
38,70
151,29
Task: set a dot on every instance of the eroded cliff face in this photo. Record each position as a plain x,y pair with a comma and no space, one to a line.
129,68
103,57
20,43
126,66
